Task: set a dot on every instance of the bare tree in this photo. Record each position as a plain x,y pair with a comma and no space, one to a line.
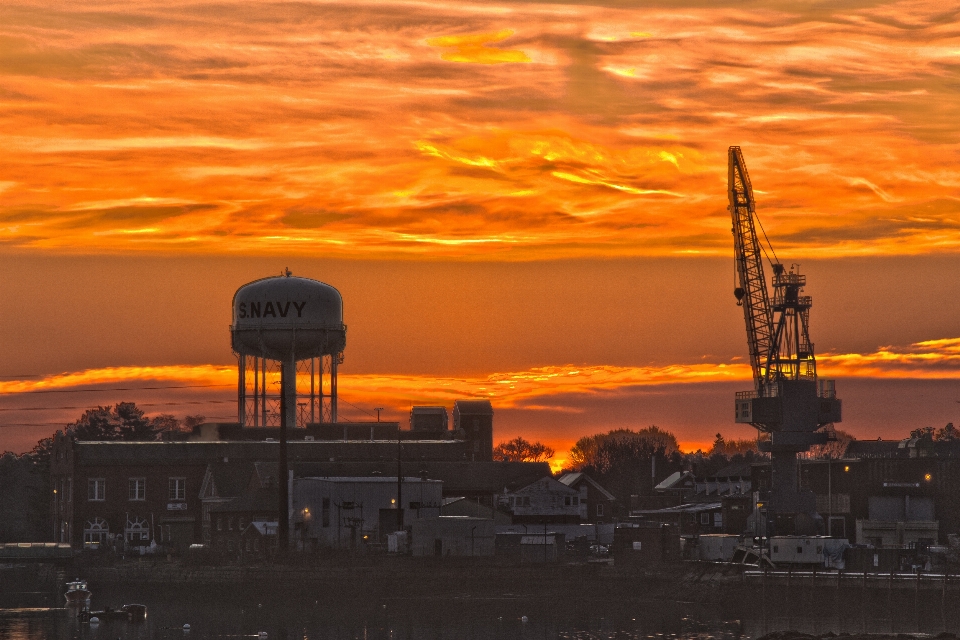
520,450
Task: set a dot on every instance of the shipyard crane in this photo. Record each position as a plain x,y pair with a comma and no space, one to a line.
788,401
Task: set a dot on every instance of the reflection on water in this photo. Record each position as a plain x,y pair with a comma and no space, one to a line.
235,613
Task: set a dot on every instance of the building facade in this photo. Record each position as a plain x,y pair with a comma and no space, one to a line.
596,503
125,495
545,501
347,512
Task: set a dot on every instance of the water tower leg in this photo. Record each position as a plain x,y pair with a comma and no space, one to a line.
313,390
256,391
288,412
333,388
242,389
288,391
263,392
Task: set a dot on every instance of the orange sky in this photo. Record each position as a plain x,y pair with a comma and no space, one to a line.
495,187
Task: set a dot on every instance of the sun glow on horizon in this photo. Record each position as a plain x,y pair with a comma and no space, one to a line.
543,390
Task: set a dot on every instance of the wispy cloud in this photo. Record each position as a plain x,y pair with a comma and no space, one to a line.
933,359
474,48
556,404
542,130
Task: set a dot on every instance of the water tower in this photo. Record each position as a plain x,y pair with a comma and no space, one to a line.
289,336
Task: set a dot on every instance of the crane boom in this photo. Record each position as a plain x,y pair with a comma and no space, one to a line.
788,401
751,291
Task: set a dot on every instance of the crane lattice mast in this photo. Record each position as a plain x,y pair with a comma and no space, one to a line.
751,291
788,401
778,334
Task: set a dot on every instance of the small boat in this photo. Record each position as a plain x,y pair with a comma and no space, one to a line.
135,612
77,593
126,613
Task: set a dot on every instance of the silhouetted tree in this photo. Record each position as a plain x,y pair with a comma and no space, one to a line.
832,449
949,432
622,460
728,448
520,450
123,421
594,451
923,433
23,516
189,422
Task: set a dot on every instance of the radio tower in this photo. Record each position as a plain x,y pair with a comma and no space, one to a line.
788,401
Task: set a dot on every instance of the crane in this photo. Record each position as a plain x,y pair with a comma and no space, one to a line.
788,402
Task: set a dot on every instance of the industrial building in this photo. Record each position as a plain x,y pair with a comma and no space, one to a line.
462,536
345,512
165,491
289,338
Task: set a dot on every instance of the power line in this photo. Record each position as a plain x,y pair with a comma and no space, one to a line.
150,404
183,386
339,399
19,425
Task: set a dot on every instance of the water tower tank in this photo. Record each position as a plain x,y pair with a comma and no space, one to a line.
291,328
287,317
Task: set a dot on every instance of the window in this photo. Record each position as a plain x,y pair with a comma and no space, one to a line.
566,501
325,513
230,523
576,500
239,524
718,519
69,489
138,530
95,532
599,509
177,489
138,489
219,523
97,489
704,518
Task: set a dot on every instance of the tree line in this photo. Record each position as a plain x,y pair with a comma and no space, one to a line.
625,461
25,501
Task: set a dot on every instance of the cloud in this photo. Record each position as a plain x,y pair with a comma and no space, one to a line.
556,404
539,388
416,126
474,49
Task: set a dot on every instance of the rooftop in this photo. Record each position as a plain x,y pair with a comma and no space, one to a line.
473,407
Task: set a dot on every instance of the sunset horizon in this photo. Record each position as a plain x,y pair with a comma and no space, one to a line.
521,202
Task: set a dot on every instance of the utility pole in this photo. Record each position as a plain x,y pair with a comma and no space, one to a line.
830,495
288,377
399,485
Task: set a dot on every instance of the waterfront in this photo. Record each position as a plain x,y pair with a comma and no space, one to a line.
290,614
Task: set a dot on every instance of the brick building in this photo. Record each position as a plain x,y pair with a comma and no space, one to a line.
473,420
164,492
